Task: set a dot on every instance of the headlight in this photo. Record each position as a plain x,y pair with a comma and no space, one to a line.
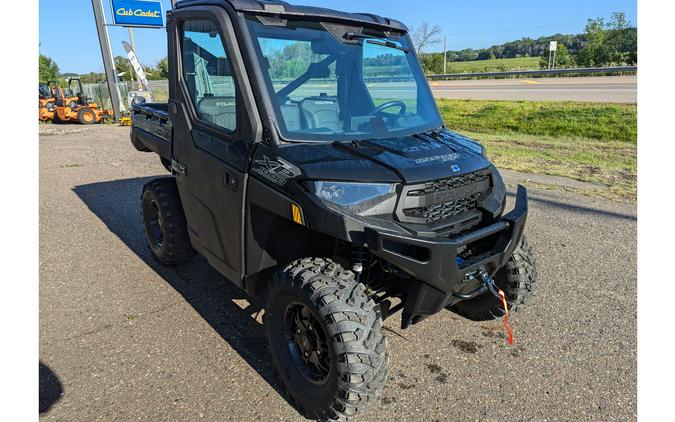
360,198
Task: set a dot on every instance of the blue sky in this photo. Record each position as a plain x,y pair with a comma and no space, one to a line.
68,32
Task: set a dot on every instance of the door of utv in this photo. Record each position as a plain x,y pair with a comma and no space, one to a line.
215,124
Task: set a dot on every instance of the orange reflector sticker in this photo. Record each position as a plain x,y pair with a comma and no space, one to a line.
297,214
506,317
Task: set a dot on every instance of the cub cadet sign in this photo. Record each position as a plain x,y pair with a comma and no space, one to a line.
137,13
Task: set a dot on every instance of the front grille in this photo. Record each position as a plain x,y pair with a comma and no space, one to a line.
447,198
444,210
451,183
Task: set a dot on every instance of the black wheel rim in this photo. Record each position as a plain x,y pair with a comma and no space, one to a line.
155,225
307,343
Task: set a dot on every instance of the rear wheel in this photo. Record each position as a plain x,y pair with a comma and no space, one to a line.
325,337
517,279
86,116
164,222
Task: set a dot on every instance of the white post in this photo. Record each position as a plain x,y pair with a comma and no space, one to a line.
133,48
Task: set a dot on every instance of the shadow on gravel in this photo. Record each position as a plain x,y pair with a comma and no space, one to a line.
50,389
574,208
117,204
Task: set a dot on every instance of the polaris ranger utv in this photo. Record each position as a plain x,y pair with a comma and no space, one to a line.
310,166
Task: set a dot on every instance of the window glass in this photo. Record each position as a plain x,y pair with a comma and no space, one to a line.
389,75
208,74
290,59
343,85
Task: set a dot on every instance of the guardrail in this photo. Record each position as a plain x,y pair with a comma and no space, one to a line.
543,72
160,88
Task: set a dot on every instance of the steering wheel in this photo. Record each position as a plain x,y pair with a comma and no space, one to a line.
389,104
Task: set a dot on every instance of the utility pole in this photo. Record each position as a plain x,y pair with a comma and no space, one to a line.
133,48
445,55
108,60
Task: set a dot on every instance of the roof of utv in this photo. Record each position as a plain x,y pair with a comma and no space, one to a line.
281,8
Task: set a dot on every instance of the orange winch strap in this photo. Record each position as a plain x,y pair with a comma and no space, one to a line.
506,317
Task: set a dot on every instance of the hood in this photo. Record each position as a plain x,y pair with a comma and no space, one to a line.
410,159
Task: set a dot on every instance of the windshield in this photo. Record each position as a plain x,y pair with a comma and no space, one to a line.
342,84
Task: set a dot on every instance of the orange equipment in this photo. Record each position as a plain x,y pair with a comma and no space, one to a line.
49,95
79,108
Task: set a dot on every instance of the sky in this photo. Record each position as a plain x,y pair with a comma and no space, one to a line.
68,31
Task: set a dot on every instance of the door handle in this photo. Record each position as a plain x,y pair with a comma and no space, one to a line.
231,181
178,168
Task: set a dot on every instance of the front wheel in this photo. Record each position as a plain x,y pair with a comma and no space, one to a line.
86,116
325,337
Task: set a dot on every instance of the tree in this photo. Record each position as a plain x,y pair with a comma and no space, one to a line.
163,68
563,58
622,37
49,70
92,78
432,63
612,43
425,36
122,66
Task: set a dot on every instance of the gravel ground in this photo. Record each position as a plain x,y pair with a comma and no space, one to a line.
122,338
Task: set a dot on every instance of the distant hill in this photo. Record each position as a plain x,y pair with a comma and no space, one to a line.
526,47
602,44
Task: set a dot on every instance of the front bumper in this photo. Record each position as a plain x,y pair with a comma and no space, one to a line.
443,279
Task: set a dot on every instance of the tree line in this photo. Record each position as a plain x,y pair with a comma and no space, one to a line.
49,71
612,43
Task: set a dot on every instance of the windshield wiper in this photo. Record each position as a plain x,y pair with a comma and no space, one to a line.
388,44
371,39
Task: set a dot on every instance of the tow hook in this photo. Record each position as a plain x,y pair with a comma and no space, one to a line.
489,282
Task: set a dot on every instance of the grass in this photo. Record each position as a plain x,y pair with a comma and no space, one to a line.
594,143
496,65
611,122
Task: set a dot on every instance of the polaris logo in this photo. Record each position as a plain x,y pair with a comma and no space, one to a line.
441,158
455,168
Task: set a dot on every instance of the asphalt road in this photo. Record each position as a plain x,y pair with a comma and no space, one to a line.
610,89
123,338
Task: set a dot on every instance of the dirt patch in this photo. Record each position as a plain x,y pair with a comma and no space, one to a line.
466,346
434,368
388,400
405,386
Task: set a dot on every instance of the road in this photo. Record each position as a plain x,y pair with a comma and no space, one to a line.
123,338
610,89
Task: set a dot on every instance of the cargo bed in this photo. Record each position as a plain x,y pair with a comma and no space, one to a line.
151,129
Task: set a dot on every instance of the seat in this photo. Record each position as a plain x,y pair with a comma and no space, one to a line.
291,115
321,113
221,111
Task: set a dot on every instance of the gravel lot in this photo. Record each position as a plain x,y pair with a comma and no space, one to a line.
122,338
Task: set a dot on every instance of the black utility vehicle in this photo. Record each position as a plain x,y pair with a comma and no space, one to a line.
310,166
